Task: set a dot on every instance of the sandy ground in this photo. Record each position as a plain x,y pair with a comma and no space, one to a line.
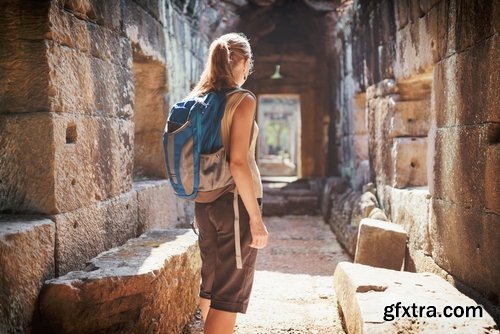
293,290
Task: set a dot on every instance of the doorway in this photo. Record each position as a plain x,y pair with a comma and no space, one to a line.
279,136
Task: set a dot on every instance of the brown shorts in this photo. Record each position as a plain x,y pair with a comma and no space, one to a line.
228,288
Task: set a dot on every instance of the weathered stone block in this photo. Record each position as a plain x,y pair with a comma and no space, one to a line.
460,163
105,13
465,94
381,162
465,243
87,231
371,300
84,84
149,285
416,48
56,163
341,222
93,159
24,80
470,22
410,118
410,209
85,36
410,162
26,261
157,205
144,31
24,20
26,163
380,244
492,178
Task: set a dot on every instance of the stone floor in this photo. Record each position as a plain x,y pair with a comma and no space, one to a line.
293,288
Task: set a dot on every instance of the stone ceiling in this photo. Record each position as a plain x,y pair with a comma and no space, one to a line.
319,5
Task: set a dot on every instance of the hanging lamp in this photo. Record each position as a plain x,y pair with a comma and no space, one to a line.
277,74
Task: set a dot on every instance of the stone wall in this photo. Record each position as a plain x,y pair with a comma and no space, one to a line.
425,70
86,88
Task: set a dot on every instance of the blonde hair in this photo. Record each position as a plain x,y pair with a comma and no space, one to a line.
224,54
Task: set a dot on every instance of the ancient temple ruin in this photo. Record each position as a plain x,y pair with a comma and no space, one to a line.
384,109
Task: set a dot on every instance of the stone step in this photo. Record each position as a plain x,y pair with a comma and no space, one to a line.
148,285
375,300
297,198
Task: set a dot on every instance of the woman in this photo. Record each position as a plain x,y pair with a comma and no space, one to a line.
225,289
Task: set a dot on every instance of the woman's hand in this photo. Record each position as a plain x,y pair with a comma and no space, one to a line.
259,233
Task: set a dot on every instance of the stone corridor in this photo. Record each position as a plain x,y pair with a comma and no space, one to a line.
382,117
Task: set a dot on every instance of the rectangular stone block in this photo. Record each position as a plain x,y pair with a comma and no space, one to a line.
465,94
86,36
460,163
416,46
80,83
24,80
26,261
380,244
465,244
93,159
157,205
470,22
410,119
381,162
372,301
410,209
87,231
57,163
26,163
149,285
144,32
104,13
410,162
23,20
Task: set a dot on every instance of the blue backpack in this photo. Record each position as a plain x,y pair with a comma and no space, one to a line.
194,155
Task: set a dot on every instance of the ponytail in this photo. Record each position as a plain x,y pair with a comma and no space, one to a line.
225,52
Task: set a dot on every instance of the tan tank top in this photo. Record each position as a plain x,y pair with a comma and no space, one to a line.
233,100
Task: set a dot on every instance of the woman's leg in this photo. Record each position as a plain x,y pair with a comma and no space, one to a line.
204,307
220,322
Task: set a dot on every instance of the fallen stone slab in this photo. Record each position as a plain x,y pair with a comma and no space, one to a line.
27,246
376,300
380,244
148,285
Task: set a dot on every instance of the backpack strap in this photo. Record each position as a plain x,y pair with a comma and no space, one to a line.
237,238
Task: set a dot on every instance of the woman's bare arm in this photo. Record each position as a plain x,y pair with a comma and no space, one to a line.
241,128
